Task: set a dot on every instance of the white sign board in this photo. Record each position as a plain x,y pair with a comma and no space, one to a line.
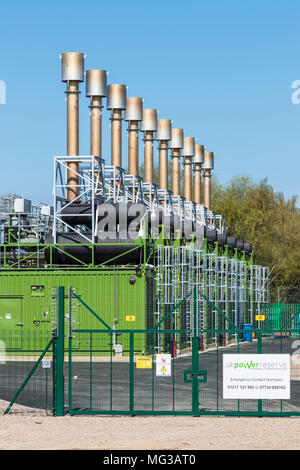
46,363
256,376
163,365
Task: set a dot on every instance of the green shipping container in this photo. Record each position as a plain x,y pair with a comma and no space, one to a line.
124,299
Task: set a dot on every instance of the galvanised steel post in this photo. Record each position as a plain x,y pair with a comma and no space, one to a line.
58,357
259,350
70,336
195,350
131,372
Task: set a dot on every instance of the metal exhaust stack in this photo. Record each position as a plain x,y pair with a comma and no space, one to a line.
116,102
176,144
163,135
198,160
96,89
188,153
133,114
72,72
148,126
207,166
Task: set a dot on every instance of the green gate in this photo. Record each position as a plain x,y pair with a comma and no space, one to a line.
131,384
132,372
108,383
141,372
133,380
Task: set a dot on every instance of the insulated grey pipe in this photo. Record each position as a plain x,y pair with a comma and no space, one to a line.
116,137
188,178
176,172
163,135
163,165
149,127
206,189
133,148
116,102
96,126
176,144
133,114
188,153
207,166
198,160
148,156
96,89
72,73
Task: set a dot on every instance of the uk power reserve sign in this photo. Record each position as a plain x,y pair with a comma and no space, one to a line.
256,376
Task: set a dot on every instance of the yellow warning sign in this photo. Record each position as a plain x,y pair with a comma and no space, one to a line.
130,317
144,362
260,317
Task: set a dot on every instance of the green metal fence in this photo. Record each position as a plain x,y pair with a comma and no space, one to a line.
32,367
280,316
26,375
101,383
144,372
104,379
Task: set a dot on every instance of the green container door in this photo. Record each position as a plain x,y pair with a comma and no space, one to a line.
11,321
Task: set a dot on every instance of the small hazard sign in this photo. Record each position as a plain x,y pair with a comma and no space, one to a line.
163,365
260,317
144,362
130,317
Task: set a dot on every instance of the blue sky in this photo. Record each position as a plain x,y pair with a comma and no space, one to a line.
222,70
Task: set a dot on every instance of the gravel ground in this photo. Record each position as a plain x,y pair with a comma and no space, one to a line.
40,432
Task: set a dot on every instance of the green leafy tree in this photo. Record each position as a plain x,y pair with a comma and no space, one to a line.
255,213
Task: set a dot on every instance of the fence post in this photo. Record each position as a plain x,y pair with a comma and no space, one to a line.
259,350
70,337
58,357
131,373
195,352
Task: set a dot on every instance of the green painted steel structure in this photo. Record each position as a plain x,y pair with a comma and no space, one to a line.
111,385
281,317
123,297
194,386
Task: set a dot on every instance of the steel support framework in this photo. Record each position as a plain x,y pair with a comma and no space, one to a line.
236,288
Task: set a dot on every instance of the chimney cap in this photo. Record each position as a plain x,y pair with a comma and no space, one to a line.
164,129
96,83
208,161
199,154
149,121
188,147
176,141
72,66
134,109
116,96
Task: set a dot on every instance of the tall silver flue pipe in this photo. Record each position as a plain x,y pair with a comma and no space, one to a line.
72,73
